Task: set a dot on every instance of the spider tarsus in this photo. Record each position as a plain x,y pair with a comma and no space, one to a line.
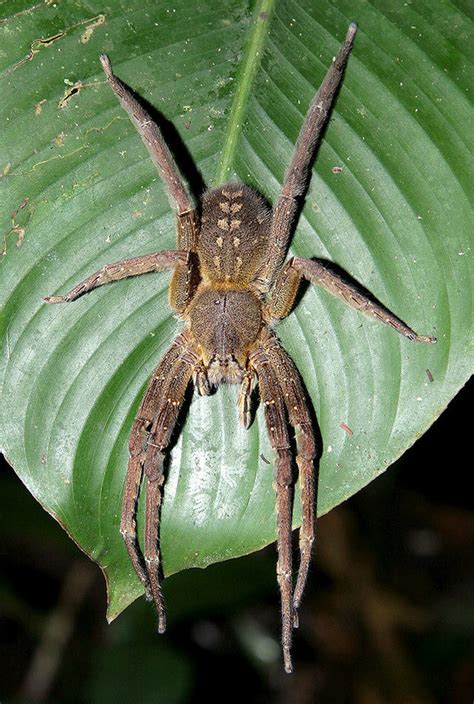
54,299
161,623
426,338
414,337
296,618
157,599
106,65
287,660
351,32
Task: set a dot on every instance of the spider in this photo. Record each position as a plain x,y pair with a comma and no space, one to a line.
230,284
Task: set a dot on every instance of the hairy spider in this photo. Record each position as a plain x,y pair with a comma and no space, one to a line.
230,283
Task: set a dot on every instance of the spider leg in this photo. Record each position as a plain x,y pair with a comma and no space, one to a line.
296,179
275,418
128,523
296,403
318,273
121,270
138,444
171,399
244,398
161,156
200,380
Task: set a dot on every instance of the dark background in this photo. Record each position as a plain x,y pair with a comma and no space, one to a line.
388,614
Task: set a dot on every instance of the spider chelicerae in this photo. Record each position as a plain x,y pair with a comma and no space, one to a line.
230,284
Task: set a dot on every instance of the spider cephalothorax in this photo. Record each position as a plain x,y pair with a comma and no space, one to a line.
230,283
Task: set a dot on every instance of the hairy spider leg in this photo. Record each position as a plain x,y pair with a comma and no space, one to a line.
275,418
149,439
171,399
278,306
184,276
157,261
297,177
137,448
283,297
160,154
296,403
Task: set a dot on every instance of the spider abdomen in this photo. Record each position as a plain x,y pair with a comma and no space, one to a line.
225,323
235,222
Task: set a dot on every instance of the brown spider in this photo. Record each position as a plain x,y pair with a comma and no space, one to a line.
230,284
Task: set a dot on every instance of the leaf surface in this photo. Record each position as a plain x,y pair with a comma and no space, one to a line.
79,191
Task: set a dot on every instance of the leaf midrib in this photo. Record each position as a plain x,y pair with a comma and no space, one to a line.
245,77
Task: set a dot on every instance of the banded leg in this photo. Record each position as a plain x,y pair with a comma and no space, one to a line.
138,445
275,418
157,261
161,156
297,177
283,296
172,396
296,403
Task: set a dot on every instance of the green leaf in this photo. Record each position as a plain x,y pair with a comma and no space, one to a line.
79,190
